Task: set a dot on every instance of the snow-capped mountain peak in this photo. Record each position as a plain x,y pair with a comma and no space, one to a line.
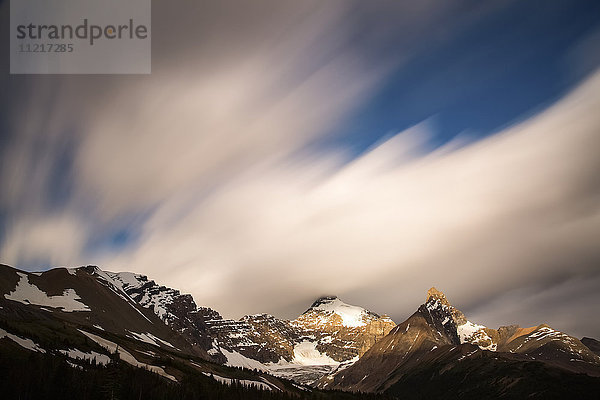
351,316
453,322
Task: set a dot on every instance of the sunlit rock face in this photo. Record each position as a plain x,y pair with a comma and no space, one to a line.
446,318
342,331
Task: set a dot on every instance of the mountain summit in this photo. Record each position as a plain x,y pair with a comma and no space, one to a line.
434,294
453,323
331,310
342,331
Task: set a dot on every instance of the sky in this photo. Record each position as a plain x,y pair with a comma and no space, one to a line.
281,150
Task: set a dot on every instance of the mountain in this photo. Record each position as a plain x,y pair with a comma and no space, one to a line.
437,342
95,312
127,332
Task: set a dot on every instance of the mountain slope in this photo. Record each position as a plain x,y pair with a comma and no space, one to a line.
468,372
592,344
413,337
81,297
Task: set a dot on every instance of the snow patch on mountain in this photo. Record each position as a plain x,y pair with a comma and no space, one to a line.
475,334
150,338
23,342
76,354
235,359
352,316
116,285
27,293
467,330
244,382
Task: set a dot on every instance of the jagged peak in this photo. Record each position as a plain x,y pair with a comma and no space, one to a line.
433,294
445,317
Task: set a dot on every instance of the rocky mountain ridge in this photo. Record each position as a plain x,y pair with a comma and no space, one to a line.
324,336
334,329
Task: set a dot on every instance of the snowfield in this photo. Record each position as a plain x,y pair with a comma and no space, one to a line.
307,366
23,342
244,382
27,293
76,354
306,353
235,359
150,339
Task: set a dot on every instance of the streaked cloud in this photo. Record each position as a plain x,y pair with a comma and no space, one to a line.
216,170
519,208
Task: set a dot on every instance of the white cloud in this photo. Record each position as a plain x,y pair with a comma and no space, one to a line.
493,215
54,239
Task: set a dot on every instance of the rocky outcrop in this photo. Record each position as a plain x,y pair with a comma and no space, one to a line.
275,337
260,337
